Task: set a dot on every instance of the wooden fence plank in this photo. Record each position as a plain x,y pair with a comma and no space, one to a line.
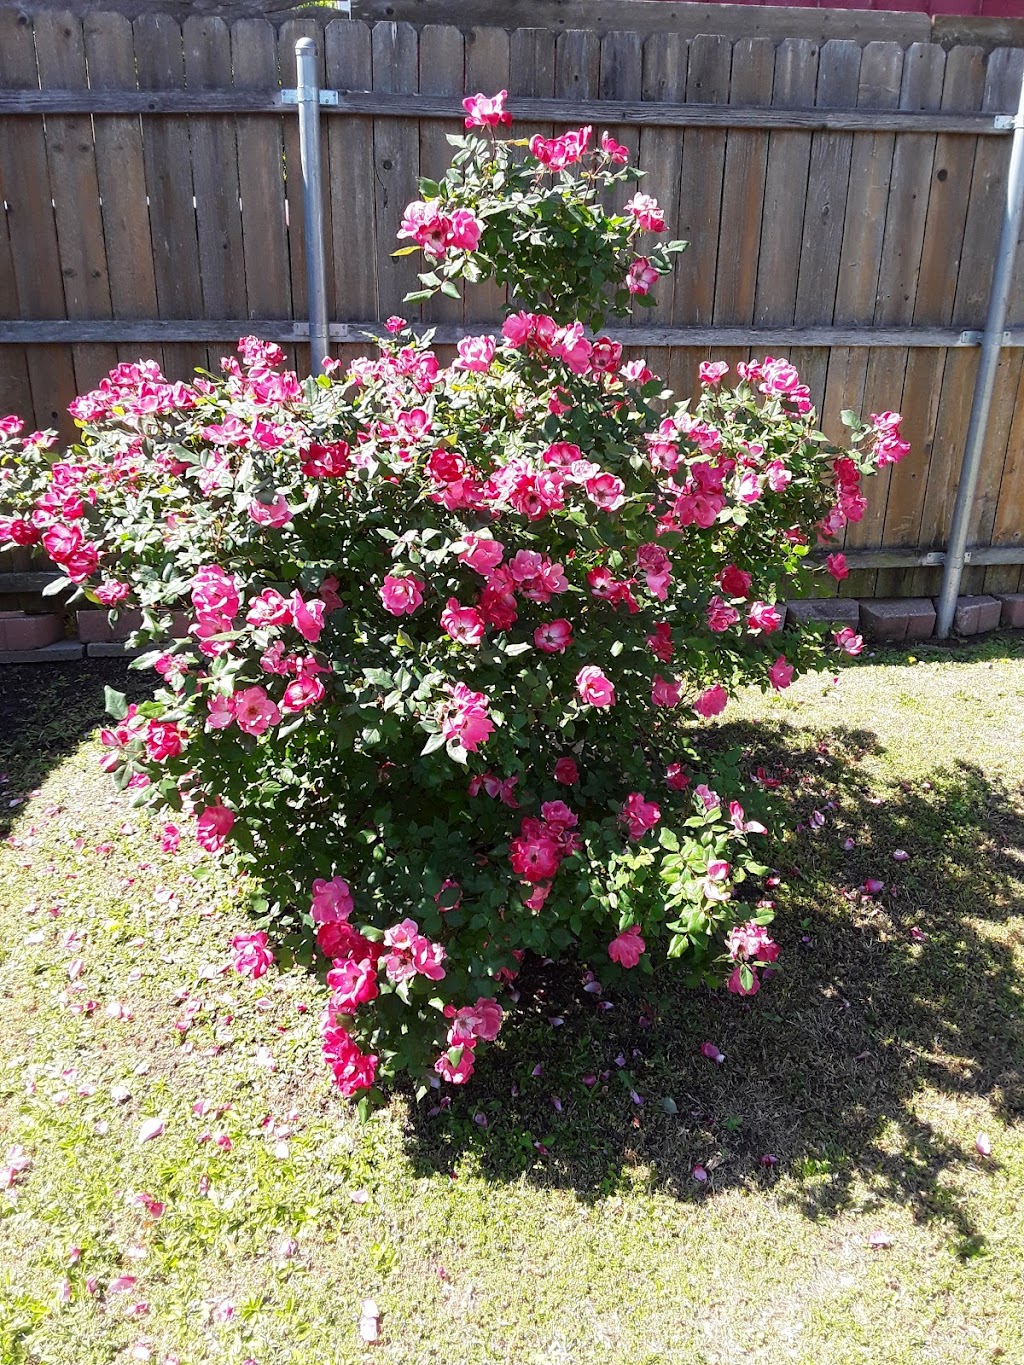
660,151
207,48
71,164
15,390
906,211
32,229
121,178
159,56
828,183
396,155
487,71
260,152
700,204
743,194
621,79
952,166
354,243
442,72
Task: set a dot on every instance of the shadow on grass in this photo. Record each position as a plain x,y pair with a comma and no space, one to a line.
45,712
879,999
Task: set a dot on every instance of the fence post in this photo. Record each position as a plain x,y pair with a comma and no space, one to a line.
991,346
308,97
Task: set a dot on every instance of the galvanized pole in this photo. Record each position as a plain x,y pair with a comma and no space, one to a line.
991,344
313,199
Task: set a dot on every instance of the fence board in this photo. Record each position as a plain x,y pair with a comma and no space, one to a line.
396,156
260,151
354,246
32,229
442,72
487,70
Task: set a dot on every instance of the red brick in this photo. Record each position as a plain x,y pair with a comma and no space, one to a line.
844,610
92,625
21,631
1002,9
908,618
975,615
1012,609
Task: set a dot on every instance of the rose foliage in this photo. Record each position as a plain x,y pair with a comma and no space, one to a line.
453,633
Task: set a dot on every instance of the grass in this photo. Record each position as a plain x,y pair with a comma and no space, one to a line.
506,1229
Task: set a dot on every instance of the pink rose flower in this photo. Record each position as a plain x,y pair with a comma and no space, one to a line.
614,150
554,637
221,712
251,956
628,947
606,492
254,711
780,673
275,514
735,982
594,688
307,617
332,901
162,740
848,641
465,625
325,462
721,615
711,702
352,1069
464,717
481,553
646,212
303,692
269,609
401,596
711,371
483,111
464,231
456,1065
664,692
639,815
640,276
476,353
734,582
836,565
676,777
215,594
567,772
764,617
353,983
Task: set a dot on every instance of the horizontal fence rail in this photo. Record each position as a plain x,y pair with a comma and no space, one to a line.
842,199
356,104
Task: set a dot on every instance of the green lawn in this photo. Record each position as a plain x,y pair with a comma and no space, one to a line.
542,1220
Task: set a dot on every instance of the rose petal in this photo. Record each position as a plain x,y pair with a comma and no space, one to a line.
152,1128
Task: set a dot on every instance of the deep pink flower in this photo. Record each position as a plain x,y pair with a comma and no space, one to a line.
554,637
836,565
353,983
848,640
664,692
781,673
255,712
640,276
332,901
464,717
721,615
325,461
353,1070
639,815
712,701
401,596
711,371
676,777
162,740
734,582
110,592
251,956
481,553
464,231
483,111
427,958
567,772
465,625
476,353
613,149
456,1065
627,948
215,594
594,688
646,212
660,642
269,609
606,492
275,514
307,617
303,692
764,616
213,827
735,982
535,853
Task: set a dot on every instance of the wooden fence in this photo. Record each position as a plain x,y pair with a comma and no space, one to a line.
842,199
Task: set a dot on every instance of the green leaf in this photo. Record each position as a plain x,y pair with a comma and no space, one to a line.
450,290
115,703
58,585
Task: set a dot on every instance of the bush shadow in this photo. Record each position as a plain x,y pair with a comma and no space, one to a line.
887,1006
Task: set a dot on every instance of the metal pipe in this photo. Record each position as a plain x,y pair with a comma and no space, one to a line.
991,346
308,79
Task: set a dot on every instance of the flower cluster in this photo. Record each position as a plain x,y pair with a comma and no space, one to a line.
453,635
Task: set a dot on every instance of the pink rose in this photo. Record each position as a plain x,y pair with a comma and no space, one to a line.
606,492
483,111
303,692
215,594
307,617
836,565
647,213
269,609
465,625
110,592
663,692
325,462
594,688
401,596
640,276
464,231
221,712
456,1065
639,815
162,740
736,985
848,641
721,616
614,150
213,827
676,777
476,353
251,956
734,582
332,901
353,983
464,719
780,673
352,1069
554,637
481,553
711,702
254,711
627,948
763,616
566,772
275,514
711,371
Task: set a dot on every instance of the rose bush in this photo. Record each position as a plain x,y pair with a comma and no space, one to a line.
455,631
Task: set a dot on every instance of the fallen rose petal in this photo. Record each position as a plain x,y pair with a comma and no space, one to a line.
768,1161
122,1283
879,1239
918,935
369,1320
983,1144
712,1053
359,1197
873,887
152,1128
900,856
699,1174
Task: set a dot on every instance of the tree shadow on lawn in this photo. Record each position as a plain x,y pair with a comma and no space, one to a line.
46,711
878,999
